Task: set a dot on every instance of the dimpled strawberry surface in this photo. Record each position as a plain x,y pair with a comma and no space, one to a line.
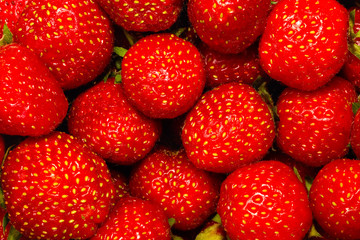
181,120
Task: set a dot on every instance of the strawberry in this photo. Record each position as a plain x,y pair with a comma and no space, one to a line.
168,178
355,135
143,16
334,199
230,126
73,38
121,183
10,13
264,200
223,68
103,118
135,218
314,126
351,68
305,42
55,188
163,75
32,102
228,26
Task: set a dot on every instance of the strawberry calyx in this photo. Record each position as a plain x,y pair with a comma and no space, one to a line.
7,37
353,47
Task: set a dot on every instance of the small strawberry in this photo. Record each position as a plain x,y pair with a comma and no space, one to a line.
168,178
32,102
135,218
121,183
230,126
228,26
54,188
223,68
106,122
73,38
314,126
264,200
10,13
163,75
143,16
305,42
334,199
351,68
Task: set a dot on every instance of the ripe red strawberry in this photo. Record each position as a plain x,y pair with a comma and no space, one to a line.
305,42
54,188
355,135
223,68
230,126
104,119
32,102
135,218
143,16
314,126
163,75
73,38
266,201
351,68
334,199
10,13
168,178
121,183
228,26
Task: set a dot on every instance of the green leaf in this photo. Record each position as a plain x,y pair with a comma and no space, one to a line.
7,37
118,78
355,107
179,31
120,51
5,223
171,221
130,38
14,234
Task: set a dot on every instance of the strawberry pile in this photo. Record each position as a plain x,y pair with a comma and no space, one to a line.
184,120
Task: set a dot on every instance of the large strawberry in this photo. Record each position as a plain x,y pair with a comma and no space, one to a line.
223,68
314,126
32,102
266,201
230,126
135,218
334,199
104,119
305,42
55,188
73,38
168,178
143,16
10,13
228,26
163,75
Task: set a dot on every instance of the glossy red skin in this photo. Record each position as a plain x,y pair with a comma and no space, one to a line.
135,218
229,27
351,68
334,199
163,75
142,16
355,135
168,178
32,102
10,13
302,54
54,188
73,38
223,68
264,200
314,127
229,127
105,120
